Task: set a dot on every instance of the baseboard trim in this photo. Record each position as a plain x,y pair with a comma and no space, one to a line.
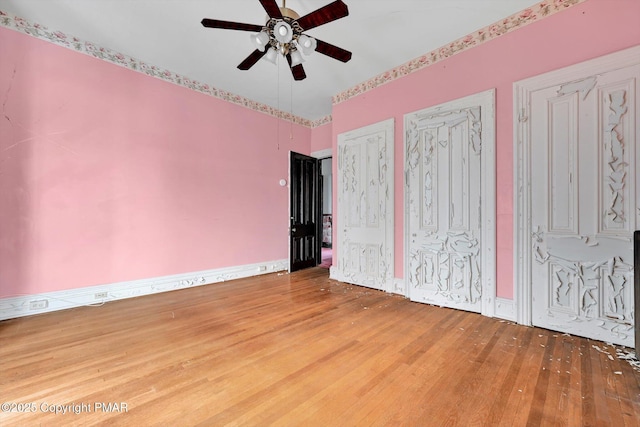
398,287
334,274
394,285
21,306
505,309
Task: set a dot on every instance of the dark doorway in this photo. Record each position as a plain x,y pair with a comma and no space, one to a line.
327,211
306,213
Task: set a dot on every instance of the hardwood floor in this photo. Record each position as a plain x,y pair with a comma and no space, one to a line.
303,350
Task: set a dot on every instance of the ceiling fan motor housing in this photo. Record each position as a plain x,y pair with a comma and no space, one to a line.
289,13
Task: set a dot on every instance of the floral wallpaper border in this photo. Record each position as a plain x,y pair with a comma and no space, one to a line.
513,22
57,37
541,10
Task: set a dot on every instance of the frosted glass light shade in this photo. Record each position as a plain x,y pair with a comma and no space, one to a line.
307,44
283,32
296,58
271,56
260,40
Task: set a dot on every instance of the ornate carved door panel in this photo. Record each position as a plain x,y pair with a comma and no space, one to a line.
365,207
450,237
579,126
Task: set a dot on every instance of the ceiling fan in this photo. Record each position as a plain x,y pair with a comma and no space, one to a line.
283,34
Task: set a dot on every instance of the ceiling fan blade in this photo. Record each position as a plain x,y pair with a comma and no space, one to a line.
272,8
328,13
297,71
251,60
334,52
228,25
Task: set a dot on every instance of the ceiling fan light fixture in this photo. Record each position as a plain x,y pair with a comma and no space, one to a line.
271,56
296,58
260,40
282,35
282,32
307,44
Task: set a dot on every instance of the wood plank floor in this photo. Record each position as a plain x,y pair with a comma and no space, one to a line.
304,350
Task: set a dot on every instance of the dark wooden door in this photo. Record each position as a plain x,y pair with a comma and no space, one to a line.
306,211
636,280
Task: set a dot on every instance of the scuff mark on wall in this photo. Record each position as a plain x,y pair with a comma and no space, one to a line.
6,96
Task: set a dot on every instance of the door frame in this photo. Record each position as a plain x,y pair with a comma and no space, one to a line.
321,155
323,186
486,100
522,227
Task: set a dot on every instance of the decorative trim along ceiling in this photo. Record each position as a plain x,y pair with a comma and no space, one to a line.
61,39
513,22
541,10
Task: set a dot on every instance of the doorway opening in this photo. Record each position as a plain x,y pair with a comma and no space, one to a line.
326,187
311,213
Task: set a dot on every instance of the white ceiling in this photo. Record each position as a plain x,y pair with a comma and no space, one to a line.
382,34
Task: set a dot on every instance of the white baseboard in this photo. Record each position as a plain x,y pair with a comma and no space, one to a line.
398,287
395,285
334,274
505,309
27,305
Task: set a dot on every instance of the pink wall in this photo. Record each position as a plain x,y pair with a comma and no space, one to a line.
108,175
582,32
321,137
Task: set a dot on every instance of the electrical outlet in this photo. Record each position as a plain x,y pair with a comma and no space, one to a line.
101,295
38,304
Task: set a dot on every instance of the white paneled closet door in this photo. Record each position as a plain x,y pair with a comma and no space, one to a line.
580,126
450,199
365,207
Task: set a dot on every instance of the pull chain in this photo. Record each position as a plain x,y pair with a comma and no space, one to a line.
278,115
